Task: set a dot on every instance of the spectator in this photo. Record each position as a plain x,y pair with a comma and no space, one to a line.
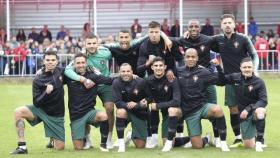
14,43
262,48
271,55
34,35
240,28
110,39
252,28
68,35
61,34
3,36
21,35
277,54
165,27
278,30
20,58
175,29
135,28
207,29
45,33
86,30
270,34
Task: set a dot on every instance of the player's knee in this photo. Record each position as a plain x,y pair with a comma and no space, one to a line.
197,146
172,111
249,143
121,113
260,113
78,147
140,145
59,146
101,116
218,112
19,112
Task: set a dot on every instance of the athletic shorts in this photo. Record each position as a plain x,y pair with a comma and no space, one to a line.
230,95
78,126
194,120
54,126
211,94
248,127
104,92
139,126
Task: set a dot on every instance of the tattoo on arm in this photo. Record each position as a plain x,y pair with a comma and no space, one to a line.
20,128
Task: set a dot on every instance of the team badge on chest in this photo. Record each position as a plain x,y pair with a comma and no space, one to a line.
135,91
165,88
102,62
250,88
202,48
195,78
236,44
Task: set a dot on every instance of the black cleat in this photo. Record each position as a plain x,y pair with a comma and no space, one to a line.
50,144
237,143
19,151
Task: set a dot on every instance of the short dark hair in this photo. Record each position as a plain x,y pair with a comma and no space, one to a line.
80,55
154,24
246,59
158,59
227,16
91,36
50,52
124,31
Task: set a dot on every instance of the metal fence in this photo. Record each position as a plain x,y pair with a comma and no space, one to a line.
14,65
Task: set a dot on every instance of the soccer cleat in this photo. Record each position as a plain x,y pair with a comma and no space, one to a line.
150,144
224,146
50,144
87,144
121,146
167,146
259,147
217,142
188,145
110,145
103,148
209,137
19,150
237,143
128,138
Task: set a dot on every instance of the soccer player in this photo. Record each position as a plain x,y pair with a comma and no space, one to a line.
252,100
149,49
202,44
166,95
48,105
233,47
81,104
193,82
131,98
97,61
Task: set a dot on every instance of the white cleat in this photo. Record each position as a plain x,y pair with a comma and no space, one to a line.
110,145
87,144
188,145
209,137
128,138
259,147
217,142
224,146
167,146
102,149
121,146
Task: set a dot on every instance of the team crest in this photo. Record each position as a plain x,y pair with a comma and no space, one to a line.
135,91
250,88
165,88
102,62
195,78
236,44
202,48
60,78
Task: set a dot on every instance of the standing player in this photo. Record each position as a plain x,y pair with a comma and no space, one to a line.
97,60
81,105
149,49
48,105
233,47
131,98
193,82
252,100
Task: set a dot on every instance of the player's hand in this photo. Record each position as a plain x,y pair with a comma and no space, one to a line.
89,83
150,60
134,76
143,103
186,34
215,61
131,105
49,88
256,73
153,106
244,114
168,44
170,75
39,72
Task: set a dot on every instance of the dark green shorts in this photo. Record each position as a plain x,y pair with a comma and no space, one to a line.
248,128
105,93
78,126
54,126
194,120
211,94
139,126
230,95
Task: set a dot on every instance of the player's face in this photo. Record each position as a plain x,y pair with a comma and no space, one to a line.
154,34
124,40
50,62
194,29
247,69
126,73
228,25
191,58
80,64
91,45
159,68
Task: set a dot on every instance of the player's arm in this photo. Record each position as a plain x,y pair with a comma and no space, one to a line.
39,93
70,73
138,41
117,95
262,98
176,97
253,53
142,62
100,79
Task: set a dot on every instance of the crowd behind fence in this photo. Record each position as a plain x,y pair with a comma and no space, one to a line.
15,65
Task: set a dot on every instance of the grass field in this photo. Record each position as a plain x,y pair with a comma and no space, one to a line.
14,94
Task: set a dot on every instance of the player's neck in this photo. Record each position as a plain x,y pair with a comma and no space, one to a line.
159,76
229,35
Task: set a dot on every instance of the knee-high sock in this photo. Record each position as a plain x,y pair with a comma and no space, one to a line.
215,129
180,126
120,125
149,125
104,130
260,126
222,128
172,124
235,123
154,121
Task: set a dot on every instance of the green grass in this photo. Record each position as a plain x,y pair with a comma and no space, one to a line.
14,94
